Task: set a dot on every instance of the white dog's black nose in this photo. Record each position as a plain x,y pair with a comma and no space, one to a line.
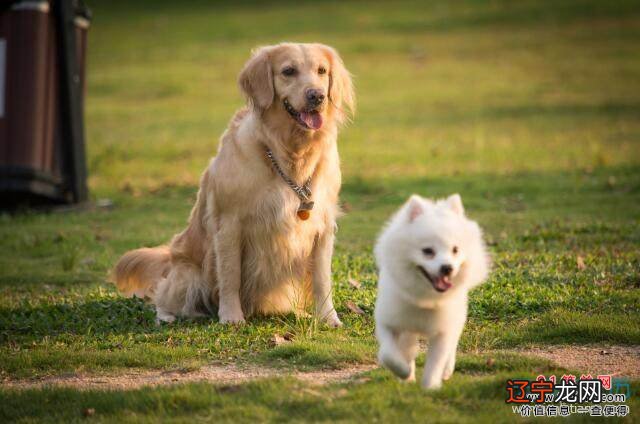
315,97
446,269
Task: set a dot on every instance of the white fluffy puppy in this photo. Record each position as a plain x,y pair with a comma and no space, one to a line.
429,256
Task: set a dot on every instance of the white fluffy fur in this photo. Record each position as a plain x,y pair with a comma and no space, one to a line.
408,305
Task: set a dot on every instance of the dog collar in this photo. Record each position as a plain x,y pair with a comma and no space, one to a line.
303,192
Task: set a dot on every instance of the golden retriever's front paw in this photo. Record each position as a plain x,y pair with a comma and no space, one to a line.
332,320
232,321
231,317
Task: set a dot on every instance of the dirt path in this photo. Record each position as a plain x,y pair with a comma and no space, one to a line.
621,361
614,360
220,374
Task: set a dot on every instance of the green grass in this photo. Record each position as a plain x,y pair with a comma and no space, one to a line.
529,109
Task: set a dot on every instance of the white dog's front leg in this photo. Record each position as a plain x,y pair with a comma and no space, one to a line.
390,355
454,332
408,344
228,272
450,366
441,347
322,296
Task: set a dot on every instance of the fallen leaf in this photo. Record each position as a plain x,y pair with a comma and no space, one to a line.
354,308
278,340
354,283
89,412
288,336
491,362
580,263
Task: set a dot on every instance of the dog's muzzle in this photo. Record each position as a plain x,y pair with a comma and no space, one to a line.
441,283
308,119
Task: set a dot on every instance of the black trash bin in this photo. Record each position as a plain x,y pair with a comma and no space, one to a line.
42,78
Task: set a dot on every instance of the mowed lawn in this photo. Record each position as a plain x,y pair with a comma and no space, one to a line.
530,110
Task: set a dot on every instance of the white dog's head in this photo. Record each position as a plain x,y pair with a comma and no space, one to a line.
434,243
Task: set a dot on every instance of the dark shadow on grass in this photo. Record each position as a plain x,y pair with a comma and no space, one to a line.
573,327
110,316
94,317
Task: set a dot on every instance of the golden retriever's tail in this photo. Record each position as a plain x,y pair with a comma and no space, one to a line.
138,271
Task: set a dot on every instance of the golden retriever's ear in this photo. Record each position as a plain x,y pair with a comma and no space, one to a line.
256,79
341,92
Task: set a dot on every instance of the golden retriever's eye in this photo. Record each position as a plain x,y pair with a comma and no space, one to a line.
289,71
455,250
322,70
428,251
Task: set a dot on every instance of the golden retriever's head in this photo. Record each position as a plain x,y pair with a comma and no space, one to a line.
306,83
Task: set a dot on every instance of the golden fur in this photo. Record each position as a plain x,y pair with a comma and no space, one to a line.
244,250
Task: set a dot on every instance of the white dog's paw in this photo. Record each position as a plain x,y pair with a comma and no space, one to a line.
412,376
412,373
231,317
448,372
395,364
431,384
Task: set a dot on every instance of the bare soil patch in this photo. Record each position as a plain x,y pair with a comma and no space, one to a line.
219,374
623,361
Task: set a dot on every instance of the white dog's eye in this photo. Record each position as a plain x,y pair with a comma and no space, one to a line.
322,70
455,250
428,251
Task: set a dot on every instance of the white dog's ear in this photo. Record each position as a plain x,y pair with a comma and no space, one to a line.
455,203
341,92
415,207
256,79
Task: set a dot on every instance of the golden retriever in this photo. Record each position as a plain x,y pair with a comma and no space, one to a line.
253,245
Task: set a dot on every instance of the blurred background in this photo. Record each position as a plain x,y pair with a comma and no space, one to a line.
476,88
444,87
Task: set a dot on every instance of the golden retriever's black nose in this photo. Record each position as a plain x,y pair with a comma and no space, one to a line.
314,97
446,269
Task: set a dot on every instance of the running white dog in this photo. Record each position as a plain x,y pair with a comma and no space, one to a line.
429,256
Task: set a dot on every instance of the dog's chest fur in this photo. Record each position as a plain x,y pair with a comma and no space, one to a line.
277,248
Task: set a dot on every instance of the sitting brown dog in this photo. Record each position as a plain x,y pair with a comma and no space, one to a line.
260,236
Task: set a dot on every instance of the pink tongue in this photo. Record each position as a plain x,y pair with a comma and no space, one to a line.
442,284
312,119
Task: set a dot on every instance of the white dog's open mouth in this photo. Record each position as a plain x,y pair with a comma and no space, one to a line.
441,284
311,119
